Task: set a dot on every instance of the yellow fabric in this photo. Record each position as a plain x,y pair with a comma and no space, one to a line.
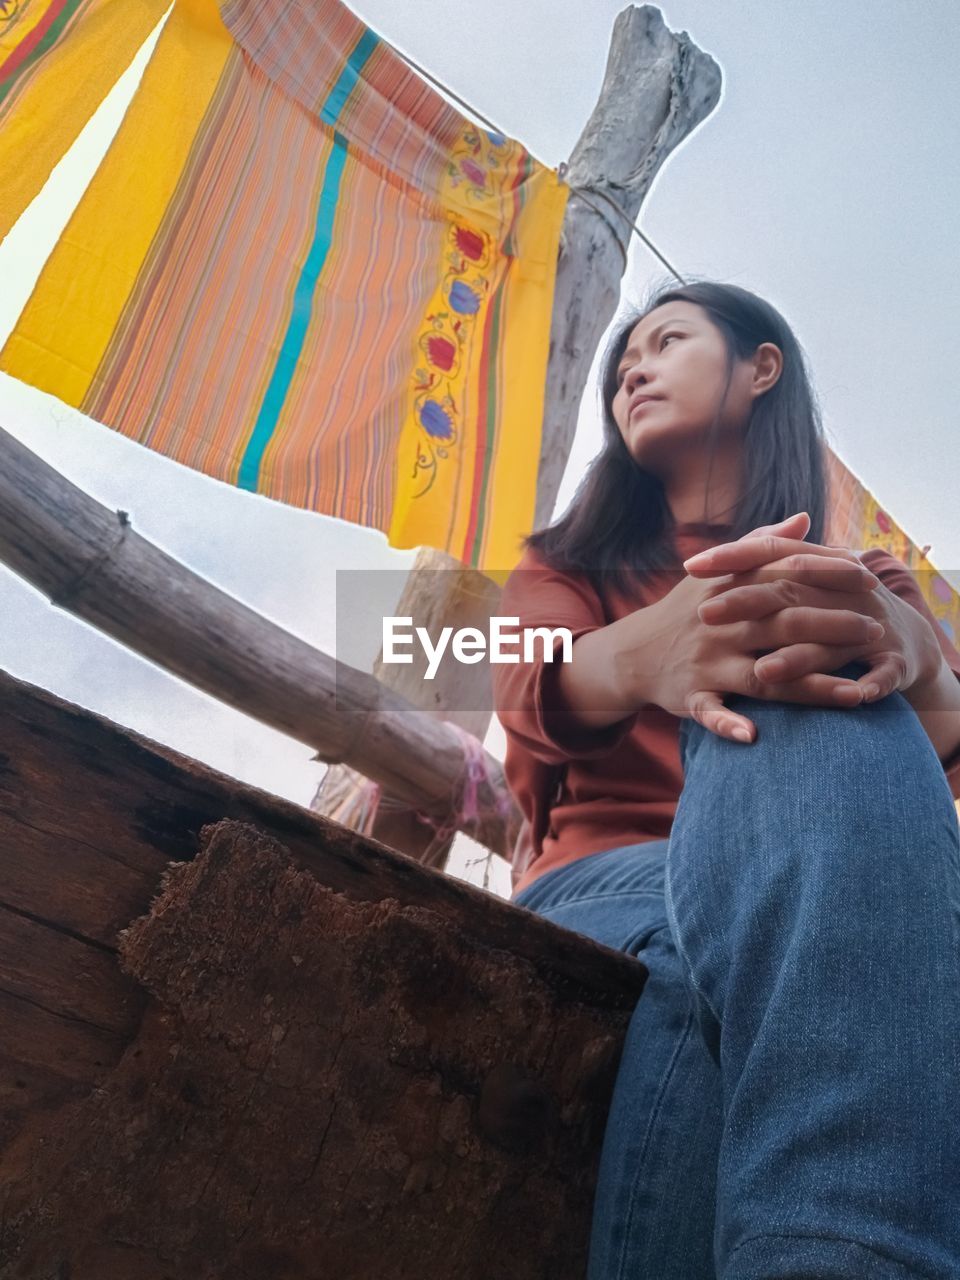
48,99
78,296
301,271
528,294
857,520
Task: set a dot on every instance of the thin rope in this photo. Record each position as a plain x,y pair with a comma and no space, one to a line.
466,792
446,89
359,809
625,216
578,191
560,171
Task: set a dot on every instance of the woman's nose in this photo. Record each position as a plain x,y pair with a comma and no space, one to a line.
633,378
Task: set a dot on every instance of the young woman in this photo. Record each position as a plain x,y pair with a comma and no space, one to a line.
779,845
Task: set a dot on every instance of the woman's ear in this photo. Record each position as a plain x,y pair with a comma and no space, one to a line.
767,367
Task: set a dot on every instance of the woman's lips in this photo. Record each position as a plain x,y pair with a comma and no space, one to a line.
644,404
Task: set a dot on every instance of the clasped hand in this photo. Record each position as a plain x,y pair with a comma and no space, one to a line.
778,614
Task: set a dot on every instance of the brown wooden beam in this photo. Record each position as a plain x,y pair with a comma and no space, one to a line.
90,561
467,1045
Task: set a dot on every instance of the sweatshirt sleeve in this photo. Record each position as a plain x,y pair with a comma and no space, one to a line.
899,579
527,695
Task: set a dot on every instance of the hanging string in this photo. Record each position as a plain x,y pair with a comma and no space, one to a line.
444,88
576,190
560,172
366,799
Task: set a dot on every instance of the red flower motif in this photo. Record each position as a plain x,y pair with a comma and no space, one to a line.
473,172
441,352
469,243
883,521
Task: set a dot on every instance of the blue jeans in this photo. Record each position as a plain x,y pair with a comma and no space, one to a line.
787,1105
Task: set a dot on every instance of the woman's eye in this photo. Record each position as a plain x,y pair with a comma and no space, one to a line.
620,376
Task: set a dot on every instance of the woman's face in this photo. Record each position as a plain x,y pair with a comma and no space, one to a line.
678,356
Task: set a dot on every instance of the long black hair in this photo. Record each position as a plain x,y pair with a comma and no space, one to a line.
619,522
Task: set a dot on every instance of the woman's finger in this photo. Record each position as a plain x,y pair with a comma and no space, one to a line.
814,689
810,570
757,600
752,553
803,606
706,707
833,572
827,628
796,660
795,526
883,678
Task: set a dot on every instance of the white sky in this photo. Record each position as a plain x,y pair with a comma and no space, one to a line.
826,180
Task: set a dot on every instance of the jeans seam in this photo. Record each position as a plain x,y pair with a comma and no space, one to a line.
681,952
595,897
814,1235
651,1122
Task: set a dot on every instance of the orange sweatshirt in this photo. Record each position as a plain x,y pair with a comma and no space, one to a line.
583,790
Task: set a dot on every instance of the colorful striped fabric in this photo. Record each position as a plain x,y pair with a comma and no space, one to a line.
300,270
58,60
858,521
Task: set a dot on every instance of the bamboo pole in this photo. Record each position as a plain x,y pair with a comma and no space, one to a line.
89,560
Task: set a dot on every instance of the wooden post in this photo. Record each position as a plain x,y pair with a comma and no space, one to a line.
658,86
314,1053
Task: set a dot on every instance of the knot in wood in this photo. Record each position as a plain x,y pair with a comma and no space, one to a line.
515,1112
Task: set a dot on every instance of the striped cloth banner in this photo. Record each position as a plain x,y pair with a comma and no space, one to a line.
58,61
300,270
858,521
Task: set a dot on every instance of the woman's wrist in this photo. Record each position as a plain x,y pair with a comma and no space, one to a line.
936,700
934,676
602,684
636,649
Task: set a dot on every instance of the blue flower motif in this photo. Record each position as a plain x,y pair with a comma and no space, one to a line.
436,421
463,299
497,139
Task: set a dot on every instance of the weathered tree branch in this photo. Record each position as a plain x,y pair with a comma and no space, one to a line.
90,561
657,88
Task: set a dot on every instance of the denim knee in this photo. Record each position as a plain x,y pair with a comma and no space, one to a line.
837,733
864,778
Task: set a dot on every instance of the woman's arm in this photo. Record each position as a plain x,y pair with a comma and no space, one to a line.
529,699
